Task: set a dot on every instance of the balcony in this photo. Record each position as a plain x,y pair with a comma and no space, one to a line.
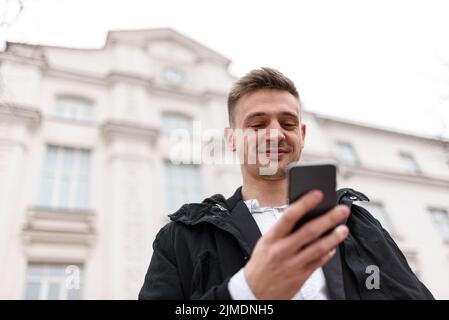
58,226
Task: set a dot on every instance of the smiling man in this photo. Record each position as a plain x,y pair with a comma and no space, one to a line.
244,248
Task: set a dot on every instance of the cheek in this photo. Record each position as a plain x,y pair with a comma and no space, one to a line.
249,145
255,140
295,141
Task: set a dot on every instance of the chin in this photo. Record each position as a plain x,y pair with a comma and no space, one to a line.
280,172
279,175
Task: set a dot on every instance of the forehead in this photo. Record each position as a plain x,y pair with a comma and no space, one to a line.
268,101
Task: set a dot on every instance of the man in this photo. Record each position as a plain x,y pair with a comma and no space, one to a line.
244,248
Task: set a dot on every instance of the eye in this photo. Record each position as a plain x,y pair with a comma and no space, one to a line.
257,125
289,125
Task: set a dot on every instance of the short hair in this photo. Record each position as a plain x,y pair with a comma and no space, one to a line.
263,78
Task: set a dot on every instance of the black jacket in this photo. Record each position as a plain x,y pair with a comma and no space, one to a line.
205,244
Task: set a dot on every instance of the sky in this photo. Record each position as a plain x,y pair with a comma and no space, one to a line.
384,63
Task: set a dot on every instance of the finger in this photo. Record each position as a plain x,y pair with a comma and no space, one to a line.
314,229
311,266
293,213
322,246
318,263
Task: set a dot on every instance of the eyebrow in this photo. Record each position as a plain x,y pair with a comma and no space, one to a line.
259,114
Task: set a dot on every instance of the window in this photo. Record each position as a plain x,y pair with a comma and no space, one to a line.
53,282
174,76
411,165
183,185
440,219
172,121
378,211
347,154
65,178
74,108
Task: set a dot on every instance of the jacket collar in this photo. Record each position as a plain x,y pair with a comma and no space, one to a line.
230,215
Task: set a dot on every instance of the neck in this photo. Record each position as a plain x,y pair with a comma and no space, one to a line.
269,193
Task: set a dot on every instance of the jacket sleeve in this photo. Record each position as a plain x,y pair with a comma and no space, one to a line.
218,292
163,281
425,293
371,244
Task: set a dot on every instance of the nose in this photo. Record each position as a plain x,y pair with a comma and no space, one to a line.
275,132
273,135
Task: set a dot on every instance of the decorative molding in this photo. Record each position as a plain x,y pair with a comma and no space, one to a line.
147,82
348,171
30,237
129,158
139,37
326,119
70,74
123,76
24,54
155,87
61,214
31,116
61,226
112,129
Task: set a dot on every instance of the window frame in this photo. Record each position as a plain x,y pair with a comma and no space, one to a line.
86,102
179,115
189,199
46,280
412,165
351,148
432,210
75,176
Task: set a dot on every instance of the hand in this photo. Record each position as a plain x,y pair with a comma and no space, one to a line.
280,264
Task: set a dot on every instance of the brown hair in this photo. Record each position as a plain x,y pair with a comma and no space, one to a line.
258,79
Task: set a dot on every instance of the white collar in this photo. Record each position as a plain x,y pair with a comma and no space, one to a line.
254,207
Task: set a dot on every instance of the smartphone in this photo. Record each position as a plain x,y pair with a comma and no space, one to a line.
304,177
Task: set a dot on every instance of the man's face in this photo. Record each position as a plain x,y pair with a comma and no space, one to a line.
273,134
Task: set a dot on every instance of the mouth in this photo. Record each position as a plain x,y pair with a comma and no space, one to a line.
279,152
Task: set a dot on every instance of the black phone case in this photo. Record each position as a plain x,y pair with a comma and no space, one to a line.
304,178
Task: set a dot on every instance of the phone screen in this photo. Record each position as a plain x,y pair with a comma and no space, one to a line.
303,178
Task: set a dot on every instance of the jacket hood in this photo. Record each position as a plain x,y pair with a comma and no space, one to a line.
211,208
216,207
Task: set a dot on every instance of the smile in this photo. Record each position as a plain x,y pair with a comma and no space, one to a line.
279,152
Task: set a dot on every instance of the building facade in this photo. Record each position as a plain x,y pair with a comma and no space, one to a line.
86,178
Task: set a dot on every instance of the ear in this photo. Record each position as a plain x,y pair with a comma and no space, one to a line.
303,134
230,138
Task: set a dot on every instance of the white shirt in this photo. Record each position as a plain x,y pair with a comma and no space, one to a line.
314,288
